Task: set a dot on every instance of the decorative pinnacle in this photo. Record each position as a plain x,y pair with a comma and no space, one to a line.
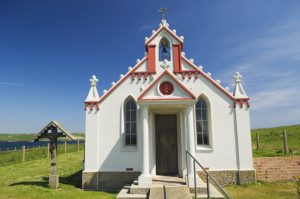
94,80
237,77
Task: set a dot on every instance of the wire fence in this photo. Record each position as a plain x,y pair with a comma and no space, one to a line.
12,155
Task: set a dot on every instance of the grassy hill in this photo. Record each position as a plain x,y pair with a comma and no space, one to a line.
25,137
271,141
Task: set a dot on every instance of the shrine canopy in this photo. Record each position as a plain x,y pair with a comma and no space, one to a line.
60,131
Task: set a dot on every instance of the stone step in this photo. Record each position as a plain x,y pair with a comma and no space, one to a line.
170,192
125,194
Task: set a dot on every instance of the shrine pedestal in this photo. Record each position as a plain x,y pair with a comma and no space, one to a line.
53,181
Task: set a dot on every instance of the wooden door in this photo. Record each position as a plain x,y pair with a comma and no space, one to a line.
166,145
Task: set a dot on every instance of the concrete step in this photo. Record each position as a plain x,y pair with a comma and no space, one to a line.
170,192
125,194
136,189
202,192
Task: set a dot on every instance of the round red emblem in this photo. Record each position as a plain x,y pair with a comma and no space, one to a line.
166,88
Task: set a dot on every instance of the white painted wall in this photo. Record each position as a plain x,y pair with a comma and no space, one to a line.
105,150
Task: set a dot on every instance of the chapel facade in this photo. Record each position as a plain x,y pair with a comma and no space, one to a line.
162,107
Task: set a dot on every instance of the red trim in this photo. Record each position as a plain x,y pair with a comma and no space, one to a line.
159,30
139,64
241,102
121,80
177,57
91,105
166,72
151,59
208,78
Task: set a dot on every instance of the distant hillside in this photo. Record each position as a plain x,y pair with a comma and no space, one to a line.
26,137
271,141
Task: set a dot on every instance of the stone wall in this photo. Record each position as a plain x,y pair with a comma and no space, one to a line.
227,177
273,169
108,181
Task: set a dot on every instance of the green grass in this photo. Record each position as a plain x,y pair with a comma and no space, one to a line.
30,180
271,142
12,157
26,137
16,137
276,190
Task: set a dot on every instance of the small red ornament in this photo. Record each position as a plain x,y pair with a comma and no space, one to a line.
166,88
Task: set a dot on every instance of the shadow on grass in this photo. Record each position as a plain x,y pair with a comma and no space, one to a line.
73,179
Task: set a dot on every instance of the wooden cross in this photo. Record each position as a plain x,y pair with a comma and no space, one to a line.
163,11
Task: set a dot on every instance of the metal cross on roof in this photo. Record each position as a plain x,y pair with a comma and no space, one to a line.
163,11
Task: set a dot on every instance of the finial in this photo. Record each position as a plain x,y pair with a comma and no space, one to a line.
153,31
192,60
237,77
94,80
200,67
218,81
239,91
209,74
163,11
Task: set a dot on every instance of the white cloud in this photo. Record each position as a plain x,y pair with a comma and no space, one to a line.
275,98
270,66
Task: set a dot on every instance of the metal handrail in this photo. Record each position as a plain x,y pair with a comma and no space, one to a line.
207,177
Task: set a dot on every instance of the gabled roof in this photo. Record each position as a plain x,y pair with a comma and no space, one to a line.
164,26
190,95
208,78
59,126
122,80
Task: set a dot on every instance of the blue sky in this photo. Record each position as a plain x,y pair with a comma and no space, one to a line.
50,49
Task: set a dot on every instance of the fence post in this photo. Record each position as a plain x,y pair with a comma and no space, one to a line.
285,142
23,157
48,150
257,141
78,145
15,148
65,147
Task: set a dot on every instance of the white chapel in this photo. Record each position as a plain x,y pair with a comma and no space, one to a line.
165,105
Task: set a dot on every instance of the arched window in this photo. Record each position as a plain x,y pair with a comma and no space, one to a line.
164,50
130,122
202,122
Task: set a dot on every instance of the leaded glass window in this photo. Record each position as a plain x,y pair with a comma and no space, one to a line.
130,122
202,122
